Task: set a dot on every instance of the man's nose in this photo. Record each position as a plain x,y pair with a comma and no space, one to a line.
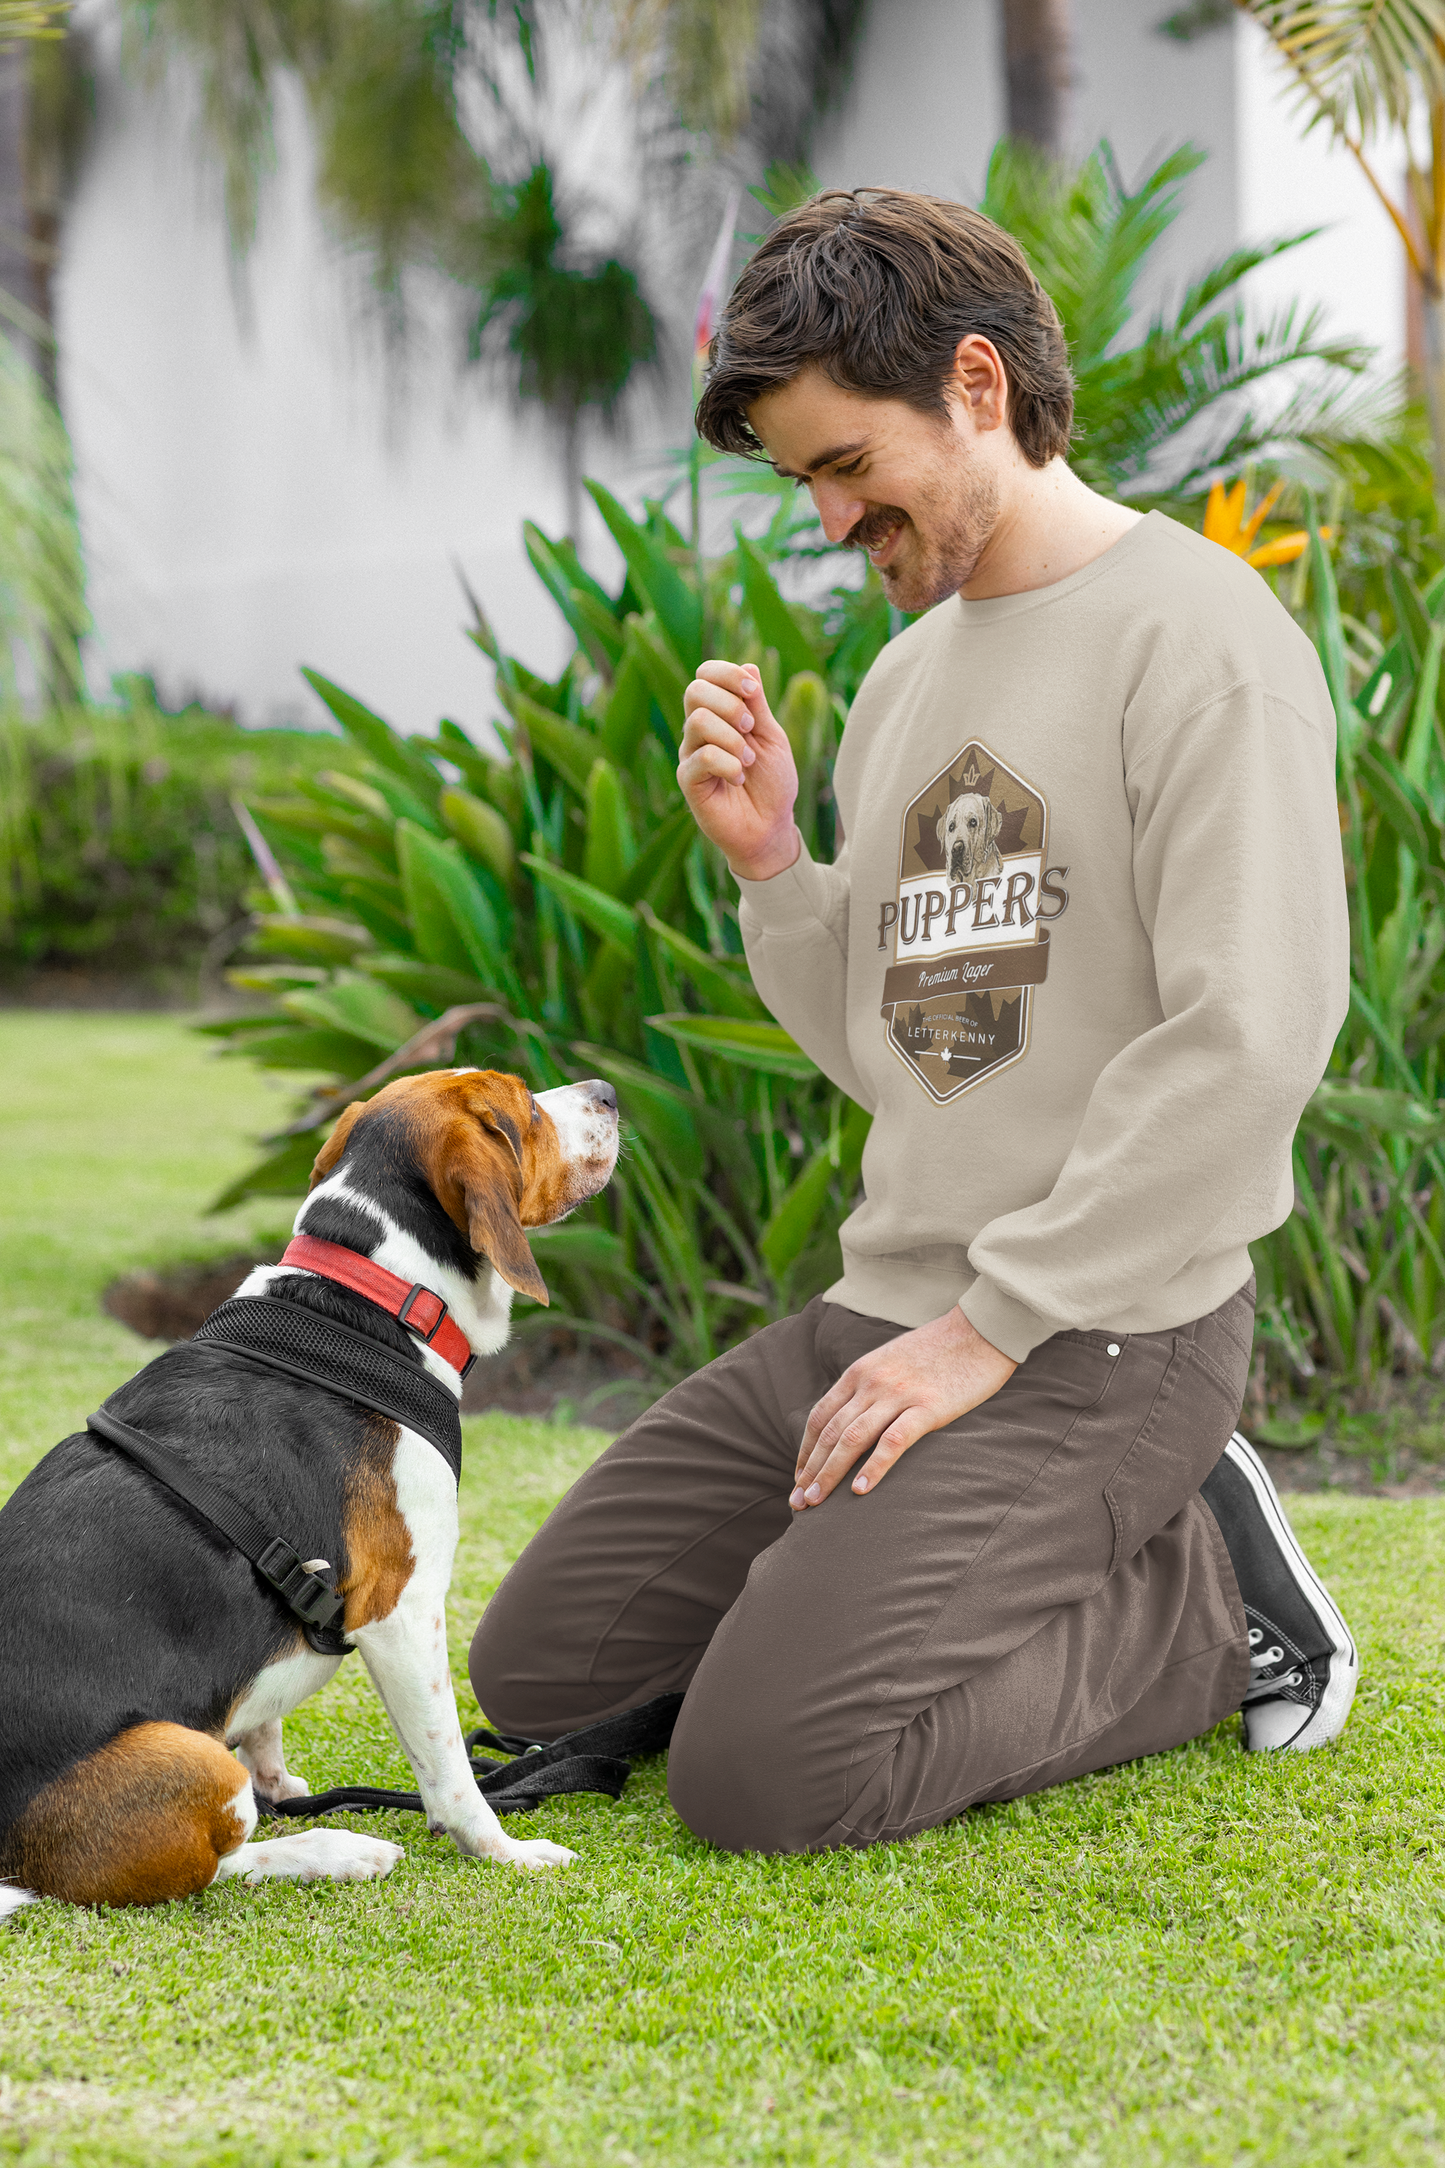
839,508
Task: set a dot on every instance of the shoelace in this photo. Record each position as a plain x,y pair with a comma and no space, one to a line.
1262,1682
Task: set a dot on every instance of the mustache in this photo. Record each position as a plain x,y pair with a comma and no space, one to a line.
874,527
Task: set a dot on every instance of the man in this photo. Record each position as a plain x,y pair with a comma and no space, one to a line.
974,1522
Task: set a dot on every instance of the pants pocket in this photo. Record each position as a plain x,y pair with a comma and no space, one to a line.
1186,1430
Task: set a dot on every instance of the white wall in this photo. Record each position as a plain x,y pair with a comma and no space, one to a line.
251,498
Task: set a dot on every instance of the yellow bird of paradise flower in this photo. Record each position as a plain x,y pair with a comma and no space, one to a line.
1225,523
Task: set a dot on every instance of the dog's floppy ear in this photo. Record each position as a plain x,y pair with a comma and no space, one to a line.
942,823
490,1180
335,1144
993,822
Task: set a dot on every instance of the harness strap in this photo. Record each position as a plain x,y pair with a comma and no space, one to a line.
312,1601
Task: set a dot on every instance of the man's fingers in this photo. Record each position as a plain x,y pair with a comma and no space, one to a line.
705,698
704,728
837,1397
841,1445
710,764
905,1430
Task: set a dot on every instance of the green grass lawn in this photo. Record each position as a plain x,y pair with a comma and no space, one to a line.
1202,1958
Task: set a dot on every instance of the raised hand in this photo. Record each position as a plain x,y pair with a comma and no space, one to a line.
737,772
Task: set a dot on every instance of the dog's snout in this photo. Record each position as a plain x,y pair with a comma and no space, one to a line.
600,1094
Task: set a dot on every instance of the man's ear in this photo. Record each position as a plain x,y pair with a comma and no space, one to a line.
335,1144
494,1222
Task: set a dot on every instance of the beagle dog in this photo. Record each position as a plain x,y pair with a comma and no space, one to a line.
138,1649
968,831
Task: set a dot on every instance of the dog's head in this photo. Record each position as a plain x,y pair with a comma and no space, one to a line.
496,1158
968,832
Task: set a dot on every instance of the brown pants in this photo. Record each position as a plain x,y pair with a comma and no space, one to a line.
1034,1592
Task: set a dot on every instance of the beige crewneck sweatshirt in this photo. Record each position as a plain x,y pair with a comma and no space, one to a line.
1085,950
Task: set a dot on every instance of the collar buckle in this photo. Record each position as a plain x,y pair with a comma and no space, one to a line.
418,1325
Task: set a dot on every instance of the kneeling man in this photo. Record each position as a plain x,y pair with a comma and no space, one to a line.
974,1521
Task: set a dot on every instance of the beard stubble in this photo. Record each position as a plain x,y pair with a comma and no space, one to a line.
955,515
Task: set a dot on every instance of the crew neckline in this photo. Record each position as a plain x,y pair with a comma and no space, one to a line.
990,608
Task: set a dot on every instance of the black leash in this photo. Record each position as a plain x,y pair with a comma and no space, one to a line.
589,1760
313,1602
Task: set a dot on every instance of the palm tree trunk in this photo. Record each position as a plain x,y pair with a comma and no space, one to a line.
1432,323
1039,70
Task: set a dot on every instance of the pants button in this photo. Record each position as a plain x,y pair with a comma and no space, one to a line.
1113,1348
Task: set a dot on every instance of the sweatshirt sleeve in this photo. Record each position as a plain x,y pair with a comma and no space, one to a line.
1239,877
795,933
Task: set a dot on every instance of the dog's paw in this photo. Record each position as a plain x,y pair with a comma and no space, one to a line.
537,1852
289,1785
313,1855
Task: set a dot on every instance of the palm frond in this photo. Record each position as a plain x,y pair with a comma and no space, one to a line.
1220,277
1190,395
1359,62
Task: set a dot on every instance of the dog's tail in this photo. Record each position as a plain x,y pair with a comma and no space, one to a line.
12,1898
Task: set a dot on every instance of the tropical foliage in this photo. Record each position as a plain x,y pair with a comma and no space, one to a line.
1198,394
1354,1282
557,914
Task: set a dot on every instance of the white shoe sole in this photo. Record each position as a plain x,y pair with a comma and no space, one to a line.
1299,1730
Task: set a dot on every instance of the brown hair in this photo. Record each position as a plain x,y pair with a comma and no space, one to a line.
876,288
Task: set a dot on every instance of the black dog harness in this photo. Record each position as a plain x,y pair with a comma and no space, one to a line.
282,1336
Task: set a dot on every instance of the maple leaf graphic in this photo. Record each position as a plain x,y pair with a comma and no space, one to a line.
928,849
1011,832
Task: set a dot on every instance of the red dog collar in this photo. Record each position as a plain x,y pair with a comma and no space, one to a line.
419,1308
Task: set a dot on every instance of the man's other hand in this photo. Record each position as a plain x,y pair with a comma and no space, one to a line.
919,1382
737,770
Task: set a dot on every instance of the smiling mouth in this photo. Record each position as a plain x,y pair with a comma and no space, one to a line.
877,533
879,552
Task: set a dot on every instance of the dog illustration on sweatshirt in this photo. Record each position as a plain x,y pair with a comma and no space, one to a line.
968,830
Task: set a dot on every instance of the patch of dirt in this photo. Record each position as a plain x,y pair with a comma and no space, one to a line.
547,1371
175,1303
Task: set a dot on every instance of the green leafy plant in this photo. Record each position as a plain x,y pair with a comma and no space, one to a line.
1353,1284
119,849
1168,412
556,913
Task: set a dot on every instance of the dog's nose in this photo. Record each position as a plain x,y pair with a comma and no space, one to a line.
601,1095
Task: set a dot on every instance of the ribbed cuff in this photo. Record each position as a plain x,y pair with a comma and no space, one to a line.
799,896
1004,1322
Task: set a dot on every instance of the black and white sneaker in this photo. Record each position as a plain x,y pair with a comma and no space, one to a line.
1303,1662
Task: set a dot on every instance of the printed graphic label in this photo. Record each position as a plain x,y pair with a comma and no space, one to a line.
965,932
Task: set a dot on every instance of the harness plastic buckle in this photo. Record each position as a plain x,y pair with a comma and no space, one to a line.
403,1315
312,1600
